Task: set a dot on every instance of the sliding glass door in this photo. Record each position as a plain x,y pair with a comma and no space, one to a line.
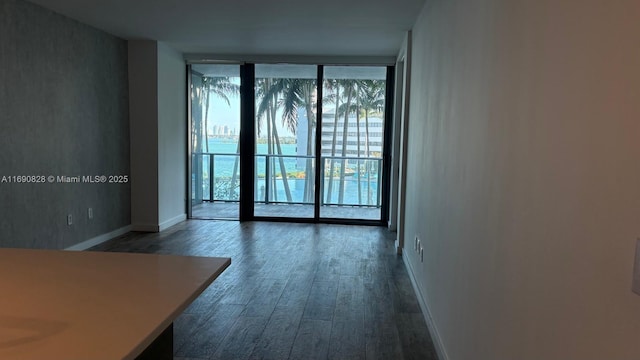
295,164
285,140
215,151
353,114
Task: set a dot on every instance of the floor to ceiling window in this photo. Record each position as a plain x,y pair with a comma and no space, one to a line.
289,142
215,128
285,140
352,141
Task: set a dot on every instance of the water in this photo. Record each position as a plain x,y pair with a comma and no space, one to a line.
224,164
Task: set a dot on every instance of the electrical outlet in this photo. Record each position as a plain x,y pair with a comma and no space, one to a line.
635,287
90,213
69,219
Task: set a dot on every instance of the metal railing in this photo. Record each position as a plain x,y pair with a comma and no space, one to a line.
208,185
267,190
346,180
362,172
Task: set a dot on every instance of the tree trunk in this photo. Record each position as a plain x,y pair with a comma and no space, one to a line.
366,142
309,180
283,169
267,160
196,103
345,133
234,177
358,144
197,121
333,144
207,87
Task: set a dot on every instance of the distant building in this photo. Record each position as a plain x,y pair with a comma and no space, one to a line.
373,142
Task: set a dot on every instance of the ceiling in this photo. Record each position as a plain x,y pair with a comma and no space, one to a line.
256,27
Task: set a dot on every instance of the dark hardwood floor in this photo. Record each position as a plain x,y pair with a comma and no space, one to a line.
293,291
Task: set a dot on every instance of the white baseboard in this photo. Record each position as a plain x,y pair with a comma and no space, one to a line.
145,227
99,239
398,247
175,220
392,226
433,330
159,227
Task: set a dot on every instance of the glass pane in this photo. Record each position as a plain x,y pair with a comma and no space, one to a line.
285,140
352,141
215,126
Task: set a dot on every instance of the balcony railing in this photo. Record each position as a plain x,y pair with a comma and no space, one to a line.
289,179
356,185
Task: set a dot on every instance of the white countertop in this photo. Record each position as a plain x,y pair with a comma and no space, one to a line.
93,305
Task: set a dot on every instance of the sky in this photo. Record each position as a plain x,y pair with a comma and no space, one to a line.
221,114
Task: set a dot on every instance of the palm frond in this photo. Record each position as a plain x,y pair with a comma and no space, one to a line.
222,87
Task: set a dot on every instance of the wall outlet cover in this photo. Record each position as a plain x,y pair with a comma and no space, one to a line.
636,270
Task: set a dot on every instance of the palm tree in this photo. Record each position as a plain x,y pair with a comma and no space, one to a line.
358,98
349,86
291,94
369,98
196,129
220,87
262,87
373,98
269,91
301,93
360,89
335,98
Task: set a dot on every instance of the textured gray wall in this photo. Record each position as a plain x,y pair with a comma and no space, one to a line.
63,111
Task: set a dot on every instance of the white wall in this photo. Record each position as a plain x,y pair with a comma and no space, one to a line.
157,87
523,166
172,145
